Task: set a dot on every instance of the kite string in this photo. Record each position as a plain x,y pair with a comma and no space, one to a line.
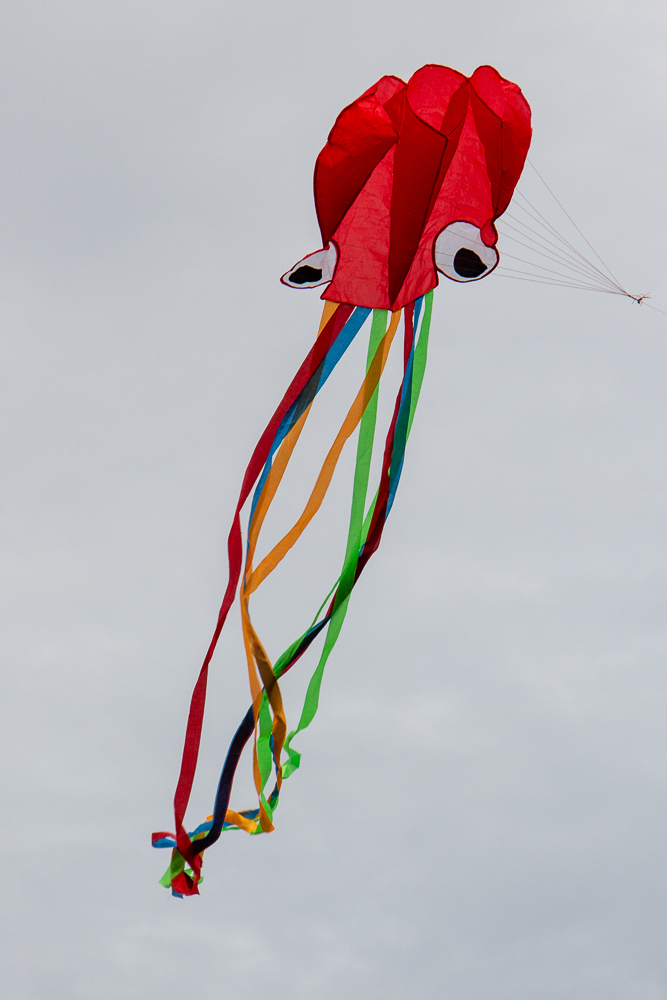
608,269
547,272
553,256
527,276
562,254
593,275
567,248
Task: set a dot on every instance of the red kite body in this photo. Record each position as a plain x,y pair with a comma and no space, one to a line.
404,162
409,184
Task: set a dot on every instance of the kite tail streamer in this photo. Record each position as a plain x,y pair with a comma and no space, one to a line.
265,717
360,528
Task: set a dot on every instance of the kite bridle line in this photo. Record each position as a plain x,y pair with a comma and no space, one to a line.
572,268
265,718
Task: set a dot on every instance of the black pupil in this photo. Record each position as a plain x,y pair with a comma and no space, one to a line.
306,273
467,264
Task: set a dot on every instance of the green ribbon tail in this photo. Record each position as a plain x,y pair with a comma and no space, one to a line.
354,541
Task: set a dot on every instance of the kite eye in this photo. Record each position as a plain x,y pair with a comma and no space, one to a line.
461,254
315,269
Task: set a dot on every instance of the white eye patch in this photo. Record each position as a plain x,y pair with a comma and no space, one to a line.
461,254
315,269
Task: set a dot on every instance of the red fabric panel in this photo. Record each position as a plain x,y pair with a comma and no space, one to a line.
437,100
502,117
430,93
363,243
465,193
185,885
395,108
452,126
361,136
419,153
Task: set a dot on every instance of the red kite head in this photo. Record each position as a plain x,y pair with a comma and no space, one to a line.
411,181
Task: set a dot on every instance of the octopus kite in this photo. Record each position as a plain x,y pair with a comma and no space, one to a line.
408,186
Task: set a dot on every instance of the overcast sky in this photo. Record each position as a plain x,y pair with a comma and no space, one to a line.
481,809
